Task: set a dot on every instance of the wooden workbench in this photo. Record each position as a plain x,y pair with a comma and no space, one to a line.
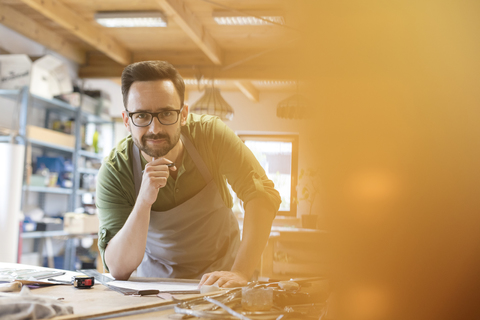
99,300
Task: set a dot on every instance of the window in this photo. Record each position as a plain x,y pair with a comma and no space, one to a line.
278,155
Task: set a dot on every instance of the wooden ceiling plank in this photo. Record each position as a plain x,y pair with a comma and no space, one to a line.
190,24
93,35
31,29
248,89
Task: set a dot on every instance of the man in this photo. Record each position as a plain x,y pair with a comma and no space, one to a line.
162,197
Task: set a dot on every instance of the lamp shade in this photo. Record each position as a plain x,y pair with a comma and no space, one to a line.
212,103
294,107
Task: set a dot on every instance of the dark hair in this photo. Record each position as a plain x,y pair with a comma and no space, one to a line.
151,71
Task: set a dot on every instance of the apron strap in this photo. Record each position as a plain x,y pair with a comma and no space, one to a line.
137,169
197,159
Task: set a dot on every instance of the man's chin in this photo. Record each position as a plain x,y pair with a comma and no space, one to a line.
154,153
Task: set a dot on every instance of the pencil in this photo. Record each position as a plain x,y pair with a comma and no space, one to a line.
168,165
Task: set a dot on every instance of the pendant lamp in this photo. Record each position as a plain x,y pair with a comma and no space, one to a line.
212,103
294,107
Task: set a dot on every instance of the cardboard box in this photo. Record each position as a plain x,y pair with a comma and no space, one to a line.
50,77
50,136
14,71
80,223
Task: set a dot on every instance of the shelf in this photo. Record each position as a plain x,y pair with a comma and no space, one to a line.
89,154
50,104
47,189
55,233
51,146
87,170
53,104
92,118
82,191
10,94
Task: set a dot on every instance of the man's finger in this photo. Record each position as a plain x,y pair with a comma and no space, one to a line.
231,284
220,282
211,279
204,278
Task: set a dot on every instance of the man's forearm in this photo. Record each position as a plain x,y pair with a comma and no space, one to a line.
256,230
125,251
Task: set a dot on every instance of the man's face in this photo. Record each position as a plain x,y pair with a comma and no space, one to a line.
156,140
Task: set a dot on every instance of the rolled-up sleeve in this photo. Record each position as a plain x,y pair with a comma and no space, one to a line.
241,169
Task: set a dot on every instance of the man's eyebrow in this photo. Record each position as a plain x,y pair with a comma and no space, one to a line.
149,111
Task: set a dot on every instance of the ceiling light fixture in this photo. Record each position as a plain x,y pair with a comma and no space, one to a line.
294,107
252,18
212,103
131,19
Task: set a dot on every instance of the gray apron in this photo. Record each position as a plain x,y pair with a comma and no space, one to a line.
198,236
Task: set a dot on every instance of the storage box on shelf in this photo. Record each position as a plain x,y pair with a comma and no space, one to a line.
81,223
39,134
46,76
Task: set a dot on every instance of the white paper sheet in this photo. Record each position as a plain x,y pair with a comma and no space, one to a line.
161,286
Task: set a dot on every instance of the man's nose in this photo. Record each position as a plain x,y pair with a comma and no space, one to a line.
155,126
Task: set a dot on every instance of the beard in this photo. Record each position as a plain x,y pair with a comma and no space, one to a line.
158,152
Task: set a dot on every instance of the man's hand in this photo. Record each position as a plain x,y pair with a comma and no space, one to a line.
155,177
224,279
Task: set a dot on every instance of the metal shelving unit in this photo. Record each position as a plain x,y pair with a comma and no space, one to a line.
87,170
50,146
25,101
89,154
48,189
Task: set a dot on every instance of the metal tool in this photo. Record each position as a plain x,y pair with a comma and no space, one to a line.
105,281
229,310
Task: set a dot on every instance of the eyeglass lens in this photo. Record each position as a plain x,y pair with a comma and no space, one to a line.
143,119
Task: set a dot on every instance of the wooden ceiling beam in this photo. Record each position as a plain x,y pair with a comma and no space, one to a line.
247,73
29,28
93,35
248,89
190,24
272,66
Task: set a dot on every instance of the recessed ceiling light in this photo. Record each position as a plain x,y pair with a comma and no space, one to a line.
252,18
131,19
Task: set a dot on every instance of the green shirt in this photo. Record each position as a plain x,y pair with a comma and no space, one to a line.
225,155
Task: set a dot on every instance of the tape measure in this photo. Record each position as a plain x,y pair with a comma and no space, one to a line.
83,282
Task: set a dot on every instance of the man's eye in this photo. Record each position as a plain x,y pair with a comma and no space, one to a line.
141,115
166,114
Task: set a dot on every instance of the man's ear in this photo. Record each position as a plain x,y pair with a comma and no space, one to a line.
184,114
125,120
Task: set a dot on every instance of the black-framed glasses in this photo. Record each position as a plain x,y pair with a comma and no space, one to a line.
144,119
